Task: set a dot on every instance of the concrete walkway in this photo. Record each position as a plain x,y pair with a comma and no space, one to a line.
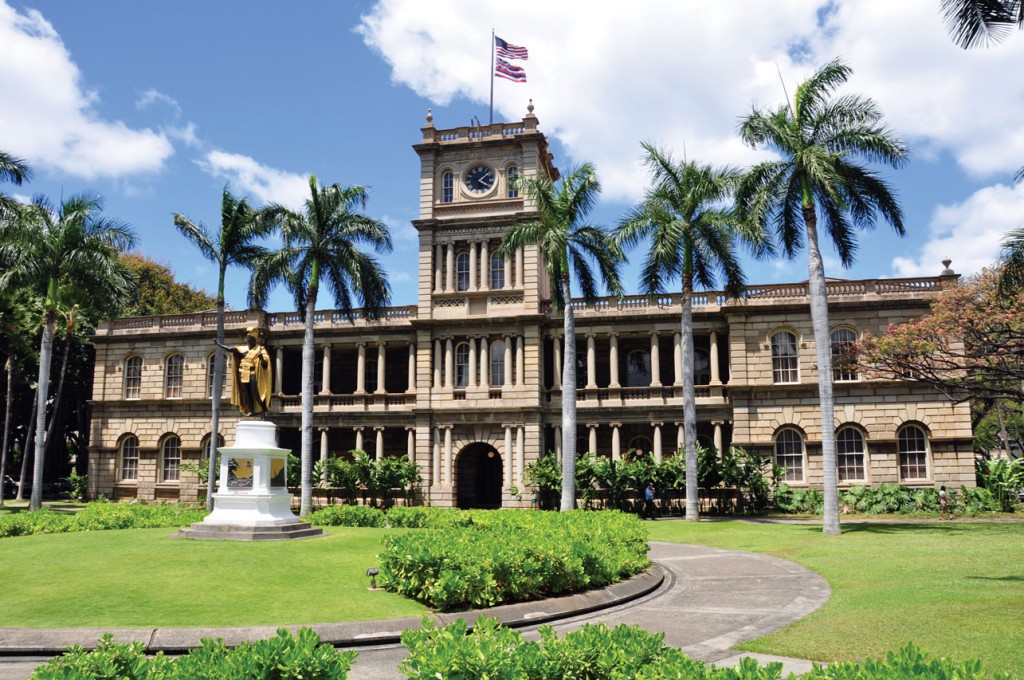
705,601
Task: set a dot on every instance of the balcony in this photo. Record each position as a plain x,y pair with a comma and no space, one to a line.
665,395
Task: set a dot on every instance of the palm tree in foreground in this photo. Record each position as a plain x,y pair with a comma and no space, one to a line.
52,249
823,142
974,23
691,233
567,245
321,246
240,225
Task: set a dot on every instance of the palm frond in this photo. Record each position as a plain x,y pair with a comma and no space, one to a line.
979,23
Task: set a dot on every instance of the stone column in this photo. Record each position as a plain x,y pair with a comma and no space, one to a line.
558,443
680,436
508,273
449,279
378,452
381,371
325,375
591,362
718,437
323,455
655,361
361,369
520,454
716,378
677,358
508,360
519,267
616,444
592,441
485,267
521,360
359,438
411,385
449,365
436,459
485,362
471,381
657,442
438,268
509,454
448,455
472,266
278,372
613,358
438,364
556,344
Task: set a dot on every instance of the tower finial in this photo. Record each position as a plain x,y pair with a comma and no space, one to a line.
947,271
529,108
430,117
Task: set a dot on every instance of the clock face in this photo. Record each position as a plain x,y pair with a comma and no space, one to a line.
480,179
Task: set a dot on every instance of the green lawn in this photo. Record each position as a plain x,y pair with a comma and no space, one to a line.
141,578
955,589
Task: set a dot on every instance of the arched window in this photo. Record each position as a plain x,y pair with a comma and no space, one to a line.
462,271
205,448
132,377
447,187
638,368
462,364
510,175
701,367
784,358
913,444
174,372
850,455
128,465
170,459
843,361
497,271
497,364
789,453
641,444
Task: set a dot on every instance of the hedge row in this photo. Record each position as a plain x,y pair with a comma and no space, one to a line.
596,651
485,558
284,656
100,516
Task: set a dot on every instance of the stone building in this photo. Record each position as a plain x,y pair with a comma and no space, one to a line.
466,383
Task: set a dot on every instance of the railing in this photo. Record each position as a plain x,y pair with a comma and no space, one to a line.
636,396
476,133
333,317
197,320
346,402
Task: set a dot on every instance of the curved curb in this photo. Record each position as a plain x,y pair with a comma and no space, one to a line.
53,641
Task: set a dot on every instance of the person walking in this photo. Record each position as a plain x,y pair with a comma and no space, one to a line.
649,502
944,503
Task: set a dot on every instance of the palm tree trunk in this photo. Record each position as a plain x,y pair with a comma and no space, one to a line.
689,403
60,383
215,395
818,293
42,392
7,425
306,478
568,402
25,452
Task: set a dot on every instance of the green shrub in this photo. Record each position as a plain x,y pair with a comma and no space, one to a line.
99,516
347,516
1003,478
511,555
908,662
284,656
420,517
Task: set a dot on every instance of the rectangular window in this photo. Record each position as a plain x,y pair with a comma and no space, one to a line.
130,459
170,468
132,378
174,374
784,358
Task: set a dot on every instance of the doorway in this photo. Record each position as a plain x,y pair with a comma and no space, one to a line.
478,477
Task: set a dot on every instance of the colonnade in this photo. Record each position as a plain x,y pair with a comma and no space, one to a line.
480,271
361,368
478,368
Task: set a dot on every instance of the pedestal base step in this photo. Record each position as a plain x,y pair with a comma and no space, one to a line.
234,532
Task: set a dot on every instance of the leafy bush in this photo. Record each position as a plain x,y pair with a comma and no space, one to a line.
511,555
799,501
284,656
908,662
347,516
1003,478
419,517
99,516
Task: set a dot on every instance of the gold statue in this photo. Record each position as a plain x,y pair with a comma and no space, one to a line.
250,374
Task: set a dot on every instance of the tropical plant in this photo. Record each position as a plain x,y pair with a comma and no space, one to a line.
567,246
16,324
1003,478
690,233
15,170
51,249
824,142
321,246
973,23
240,226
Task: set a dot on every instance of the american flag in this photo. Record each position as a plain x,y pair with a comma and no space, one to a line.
503,49
503,69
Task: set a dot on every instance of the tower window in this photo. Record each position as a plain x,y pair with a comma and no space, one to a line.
497,271
462,271
510,176
447,187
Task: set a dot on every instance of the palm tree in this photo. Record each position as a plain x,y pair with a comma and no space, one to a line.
973,23
50,249
823,142
12,169
321,245
567,245
16,329
691,234
240,225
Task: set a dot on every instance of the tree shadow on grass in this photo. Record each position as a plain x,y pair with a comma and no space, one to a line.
854,527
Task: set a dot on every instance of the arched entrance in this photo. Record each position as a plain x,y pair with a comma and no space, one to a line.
478,477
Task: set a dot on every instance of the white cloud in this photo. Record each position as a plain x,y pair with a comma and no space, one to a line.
684,73
247,176
151,96
48,115
968,233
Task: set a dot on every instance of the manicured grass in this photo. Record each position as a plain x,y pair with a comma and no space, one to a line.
955,589
142,578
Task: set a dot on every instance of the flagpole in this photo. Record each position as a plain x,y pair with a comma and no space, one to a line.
491,118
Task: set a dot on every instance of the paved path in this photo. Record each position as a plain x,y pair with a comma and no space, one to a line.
708,600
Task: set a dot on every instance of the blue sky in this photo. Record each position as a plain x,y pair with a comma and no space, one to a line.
156,106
